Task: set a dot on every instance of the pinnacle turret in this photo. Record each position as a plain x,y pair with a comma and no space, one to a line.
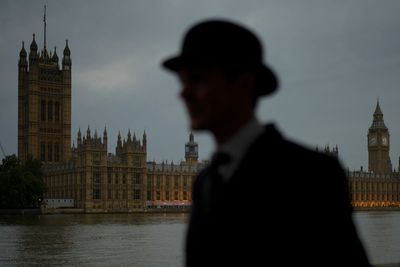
105,132
34,46
129,136
67,52
33,55
67,56
88,132
22,53
55,57
22,63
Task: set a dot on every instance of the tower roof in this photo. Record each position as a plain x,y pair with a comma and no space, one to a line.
378,121
67,52
55,57
378,110
34,46
22,53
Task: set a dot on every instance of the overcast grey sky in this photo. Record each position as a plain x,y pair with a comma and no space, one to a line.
334,58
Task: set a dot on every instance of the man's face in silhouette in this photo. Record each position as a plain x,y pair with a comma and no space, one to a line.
206,93
212,99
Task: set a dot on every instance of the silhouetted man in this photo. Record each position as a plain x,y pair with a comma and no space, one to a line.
263,200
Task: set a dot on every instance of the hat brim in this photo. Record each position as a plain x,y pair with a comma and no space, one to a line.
267,81
173,63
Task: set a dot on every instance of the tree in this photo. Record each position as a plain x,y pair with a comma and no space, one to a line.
21,183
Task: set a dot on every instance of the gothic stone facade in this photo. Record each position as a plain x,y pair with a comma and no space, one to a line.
99,181
122,182
380,185
44,104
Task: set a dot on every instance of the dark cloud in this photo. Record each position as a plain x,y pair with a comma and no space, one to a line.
334,59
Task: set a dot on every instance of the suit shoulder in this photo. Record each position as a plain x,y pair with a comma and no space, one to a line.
306,155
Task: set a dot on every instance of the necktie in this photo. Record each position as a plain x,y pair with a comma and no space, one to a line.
215,183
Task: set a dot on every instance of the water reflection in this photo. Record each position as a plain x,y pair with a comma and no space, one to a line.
93,239
380,233
142,239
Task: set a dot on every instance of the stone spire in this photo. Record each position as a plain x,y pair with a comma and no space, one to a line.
88,132
378,121
55,57
22,63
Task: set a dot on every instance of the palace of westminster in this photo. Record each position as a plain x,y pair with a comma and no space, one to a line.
98,181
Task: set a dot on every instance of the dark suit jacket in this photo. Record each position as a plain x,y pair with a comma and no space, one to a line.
285,205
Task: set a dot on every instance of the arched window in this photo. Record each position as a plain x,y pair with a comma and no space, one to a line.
43,110
42,151
57,152
50,152
50,111
57,111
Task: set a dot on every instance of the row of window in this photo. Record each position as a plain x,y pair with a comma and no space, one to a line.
49,151
374,186
166,196
373,197
136,179
49,111
159,180
136,194
122,194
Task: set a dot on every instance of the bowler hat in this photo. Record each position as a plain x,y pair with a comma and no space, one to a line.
227,45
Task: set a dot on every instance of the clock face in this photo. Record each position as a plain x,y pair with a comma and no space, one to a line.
372,140
384,141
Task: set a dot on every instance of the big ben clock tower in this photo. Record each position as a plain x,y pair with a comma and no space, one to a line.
378,144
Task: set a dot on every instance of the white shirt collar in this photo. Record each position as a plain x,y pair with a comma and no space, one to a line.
237,146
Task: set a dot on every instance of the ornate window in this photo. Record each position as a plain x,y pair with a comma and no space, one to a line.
42,151
50,111
43,110
96,193
57,111
50,152
136,178
136,194
56,152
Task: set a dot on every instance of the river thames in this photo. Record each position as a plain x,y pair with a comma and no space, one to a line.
142,239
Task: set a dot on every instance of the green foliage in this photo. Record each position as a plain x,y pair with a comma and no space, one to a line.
21,183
